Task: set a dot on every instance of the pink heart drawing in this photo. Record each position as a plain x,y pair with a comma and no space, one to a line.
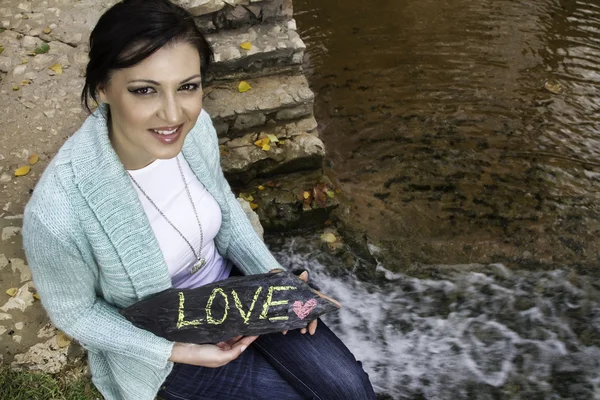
303,309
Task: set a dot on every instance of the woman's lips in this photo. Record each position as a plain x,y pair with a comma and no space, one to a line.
167,139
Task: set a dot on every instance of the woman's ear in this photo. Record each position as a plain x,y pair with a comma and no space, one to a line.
101,91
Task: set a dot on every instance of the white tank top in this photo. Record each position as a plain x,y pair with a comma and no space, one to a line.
162,182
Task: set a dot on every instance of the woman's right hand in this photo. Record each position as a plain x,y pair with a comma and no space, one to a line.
210,355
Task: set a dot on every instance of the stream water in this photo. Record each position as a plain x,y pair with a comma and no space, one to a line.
442,128
463,132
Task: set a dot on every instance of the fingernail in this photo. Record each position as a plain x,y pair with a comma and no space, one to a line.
243,348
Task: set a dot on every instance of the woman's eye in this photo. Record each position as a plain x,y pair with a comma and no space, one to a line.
190,87
142,91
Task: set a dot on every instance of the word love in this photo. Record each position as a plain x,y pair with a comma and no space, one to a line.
245,314
245,305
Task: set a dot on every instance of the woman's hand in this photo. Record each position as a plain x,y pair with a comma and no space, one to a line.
210,355
311,328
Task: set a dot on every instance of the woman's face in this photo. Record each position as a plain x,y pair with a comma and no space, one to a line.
154,104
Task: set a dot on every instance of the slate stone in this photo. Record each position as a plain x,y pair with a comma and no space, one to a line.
245,305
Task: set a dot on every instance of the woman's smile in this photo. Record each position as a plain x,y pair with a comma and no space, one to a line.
167,135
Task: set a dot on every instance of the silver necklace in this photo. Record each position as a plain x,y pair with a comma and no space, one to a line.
200,261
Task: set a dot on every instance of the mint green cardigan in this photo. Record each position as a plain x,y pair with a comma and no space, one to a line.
92,252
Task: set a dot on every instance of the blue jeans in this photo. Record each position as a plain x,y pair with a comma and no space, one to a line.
277,366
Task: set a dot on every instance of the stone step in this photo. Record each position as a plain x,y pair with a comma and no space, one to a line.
213,15
279,205
276,48
272,99
298,149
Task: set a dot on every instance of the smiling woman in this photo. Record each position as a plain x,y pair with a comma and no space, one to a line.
135,203
147,103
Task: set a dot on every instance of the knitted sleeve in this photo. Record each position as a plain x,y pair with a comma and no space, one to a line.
246,249
66,286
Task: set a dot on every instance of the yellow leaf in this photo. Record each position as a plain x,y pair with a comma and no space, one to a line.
47,30
12,292
24,170
281,142
37,296
24,61
56,68
62,340
15,87
273,138
246,46
328,238
247,197
261,187
34,159
25,82
306,195
330,193
266,147
262,142
244,87
253,206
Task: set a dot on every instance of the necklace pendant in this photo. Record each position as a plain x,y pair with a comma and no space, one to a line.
198,265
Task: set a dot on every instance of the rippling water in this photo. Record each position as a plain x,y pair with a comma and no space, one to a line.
467,332
441,128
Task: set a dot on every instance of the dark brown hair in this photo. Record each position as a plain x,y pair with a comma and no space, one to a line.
132,30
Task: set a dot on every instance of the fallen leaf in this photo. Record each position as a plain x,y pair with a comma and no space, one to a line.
244,87
261,187
12,292
42,48
273,138
37,296
266,147
62,339
247,197
306,195
253,206
25,82
47,30
34,159
553,87
328,237
15,87
281,142
24,61
22,171
263,142
330,193
56,68
246,46
320,194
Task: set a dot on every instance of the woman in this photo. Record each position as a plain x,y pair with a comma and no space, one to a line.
134,203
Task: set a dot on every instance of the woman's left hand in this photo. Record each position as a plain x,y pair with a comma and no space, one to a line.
311,328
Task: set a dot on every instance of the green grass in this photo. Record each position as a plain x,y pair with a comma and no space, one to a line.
26,385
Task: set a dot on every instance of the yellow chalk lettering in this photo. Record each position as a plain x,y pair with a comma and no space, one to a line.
278,318
238,304
181,322
209,317
269,302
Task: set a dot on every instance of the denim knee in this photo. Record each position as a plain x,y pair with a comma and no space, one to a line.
352,384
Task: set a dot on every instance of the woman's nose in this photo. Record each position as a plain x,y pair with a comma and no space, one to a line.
171,110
